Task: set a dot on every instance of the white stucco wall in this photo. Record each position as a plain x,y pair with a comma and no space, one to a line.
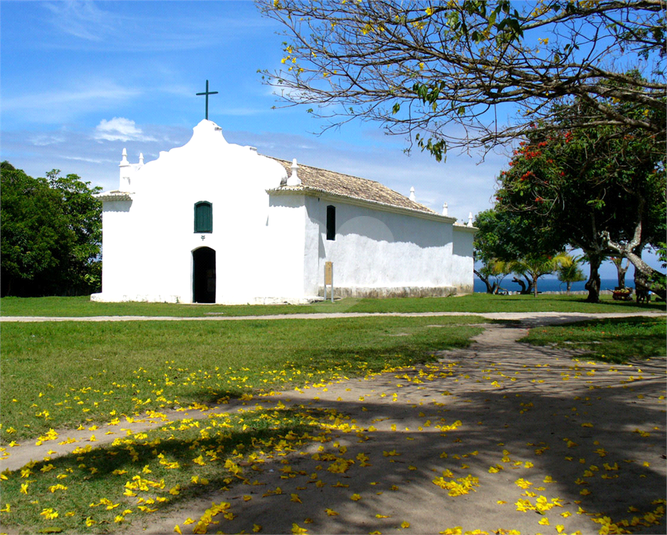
382,252
270,246
462,263
147,250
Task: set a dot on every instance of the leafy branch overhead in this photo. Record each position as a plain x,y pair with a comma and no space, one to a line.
453,74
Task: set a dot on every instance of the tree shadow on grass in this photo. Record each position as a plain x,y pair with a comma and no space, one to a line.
612,340
157,463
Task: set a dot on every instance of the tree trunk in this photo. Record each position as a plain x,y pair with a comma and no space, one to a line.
649,276
520,283
535,285
490,289
645,274
593,283
529,290
621,274
569,287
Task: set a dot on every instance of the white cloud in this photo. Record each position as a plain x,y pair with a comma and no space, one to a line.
42,140
64,105
83,19
120,129
150,26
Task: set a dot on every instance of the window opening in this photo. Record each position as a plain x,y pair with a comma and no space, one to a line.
331,222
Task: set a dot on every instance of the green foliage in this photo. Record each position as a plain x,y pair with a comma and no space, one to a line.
569,270
533,266
616,340
515,243
588,185
509,236
51,234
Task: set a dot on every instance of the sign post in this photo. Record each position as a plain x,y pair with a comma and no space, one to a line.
328,279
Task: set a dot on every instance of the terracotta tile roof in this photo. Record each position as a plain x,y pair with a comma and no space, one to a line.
351,186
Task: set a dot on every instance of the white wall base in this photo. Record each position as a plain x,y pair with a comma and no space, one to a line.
379,293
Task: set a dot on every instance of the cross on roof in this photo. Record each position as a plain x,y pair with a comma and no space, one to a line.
207,93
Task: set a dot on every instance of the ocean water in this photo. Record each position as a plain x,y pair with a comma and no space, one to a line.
554,285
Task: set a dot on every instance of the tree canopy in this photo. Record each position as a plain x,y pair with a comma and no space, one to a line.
51,234
472,73
589,188
509,242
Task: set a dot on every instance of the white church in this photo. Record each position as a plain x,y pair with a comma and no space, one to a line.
214,222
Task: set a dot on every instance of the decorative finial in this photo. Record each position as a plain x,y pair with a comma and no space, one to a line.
444,208
294,179
124,160
412,194
470,219
141,158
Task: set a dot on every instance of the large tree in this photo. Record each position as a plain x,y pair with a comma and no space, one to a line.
594,187
454,73
51,234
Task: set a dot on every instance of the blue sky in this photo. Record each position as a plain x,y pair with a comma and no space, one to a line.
83,80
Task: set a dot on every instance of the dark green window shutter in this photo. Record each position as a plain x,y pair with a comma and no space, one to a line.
203,217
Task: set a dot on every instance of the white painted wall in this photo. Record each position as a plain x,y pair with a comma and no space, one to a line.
376,249
269,247
462,263
147,251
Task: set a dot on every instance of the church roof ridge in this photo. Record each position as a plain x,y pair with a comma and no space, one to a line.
345,185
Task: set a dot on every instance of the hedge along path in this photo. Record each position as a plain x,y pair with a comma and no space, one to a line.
490,438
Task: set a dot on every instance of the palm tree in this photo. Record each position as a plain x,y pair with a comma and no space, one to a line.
569,271
534,267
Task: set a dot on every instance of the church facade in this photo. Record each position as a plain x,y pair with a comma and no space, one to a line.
214,222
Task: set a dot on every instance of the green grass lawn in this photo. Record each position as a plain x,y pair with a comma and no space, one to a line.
65,374
616,340
82,306
77,375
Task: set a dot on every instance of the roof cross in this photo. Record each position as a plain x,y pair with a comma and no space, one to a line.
207,93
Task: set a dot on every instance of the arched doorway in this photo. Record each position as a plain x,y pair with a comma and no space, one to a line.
203,275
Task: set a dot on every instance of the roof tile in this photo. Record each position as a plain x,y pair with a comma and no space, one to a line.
351,186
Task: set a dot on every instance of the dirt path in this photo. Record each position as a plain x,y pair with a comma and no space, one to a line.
506,426
528,317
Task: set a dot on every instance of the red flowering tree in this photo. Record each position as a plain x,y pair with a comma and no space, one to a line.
590,187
